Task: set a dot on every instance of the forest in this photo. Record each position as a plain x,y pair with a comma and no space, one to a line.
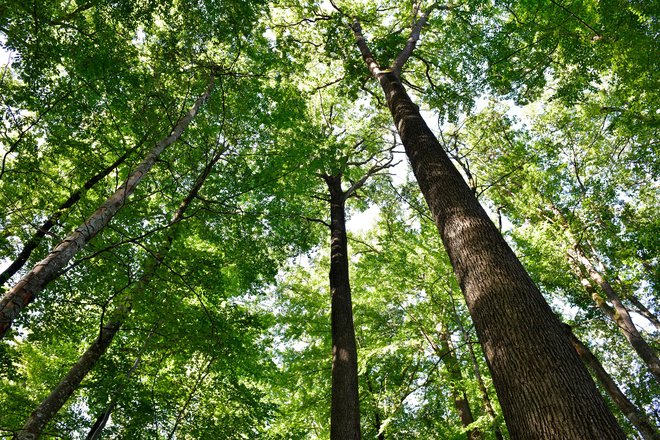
329,219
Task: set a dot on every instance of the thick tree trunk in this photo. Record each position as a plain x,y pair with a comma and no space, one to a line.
345,407
543,388
632,413
461,402
48,269
618,314
46,226
41,416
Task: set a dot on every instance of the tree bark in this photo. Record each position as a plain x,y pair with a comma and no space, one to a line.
544,389
632,413
48,269
46,226
44,413
618,313
345,406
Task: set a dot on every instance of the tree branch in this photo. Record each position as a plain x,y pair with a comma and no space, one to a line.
417,26
373,170
368,57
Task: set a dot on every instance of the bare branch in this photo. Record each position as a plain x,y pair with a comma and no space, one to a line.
417,26
373,170
317,220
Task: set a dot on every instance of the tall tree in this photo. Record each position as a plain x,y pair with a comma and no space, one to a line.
42,415
632,413
532,362
48,269
47,225
345,411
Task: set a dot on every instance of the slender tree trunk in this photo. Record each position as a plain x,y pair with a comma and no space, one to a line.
544,389
48,269
632,413
618,313
96,429
46,226
61,393
101,421
484,392
345,407
182,412
644,311
461,402
41,416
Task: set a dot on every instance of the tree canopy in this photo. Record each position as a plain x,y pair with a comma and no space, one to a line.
167,222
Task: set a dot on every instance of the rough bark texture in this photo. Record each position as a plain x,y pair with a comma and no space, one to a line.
345,407
461,402
67,386
632,413
543,388
618,314
46,226
61,393
48,269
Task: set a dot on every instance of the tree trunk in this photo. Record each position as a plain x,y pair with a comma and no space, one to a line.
461,402
345,407
61,393
96,429
46,226
632,413
644,311
484,393
101,420
618,313
48,269
41,416
488,406
533,365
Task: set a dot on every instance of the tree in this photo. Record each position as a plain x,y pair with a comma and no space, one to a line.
70,383
632,413
515,324
46,270
229,336
557,187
